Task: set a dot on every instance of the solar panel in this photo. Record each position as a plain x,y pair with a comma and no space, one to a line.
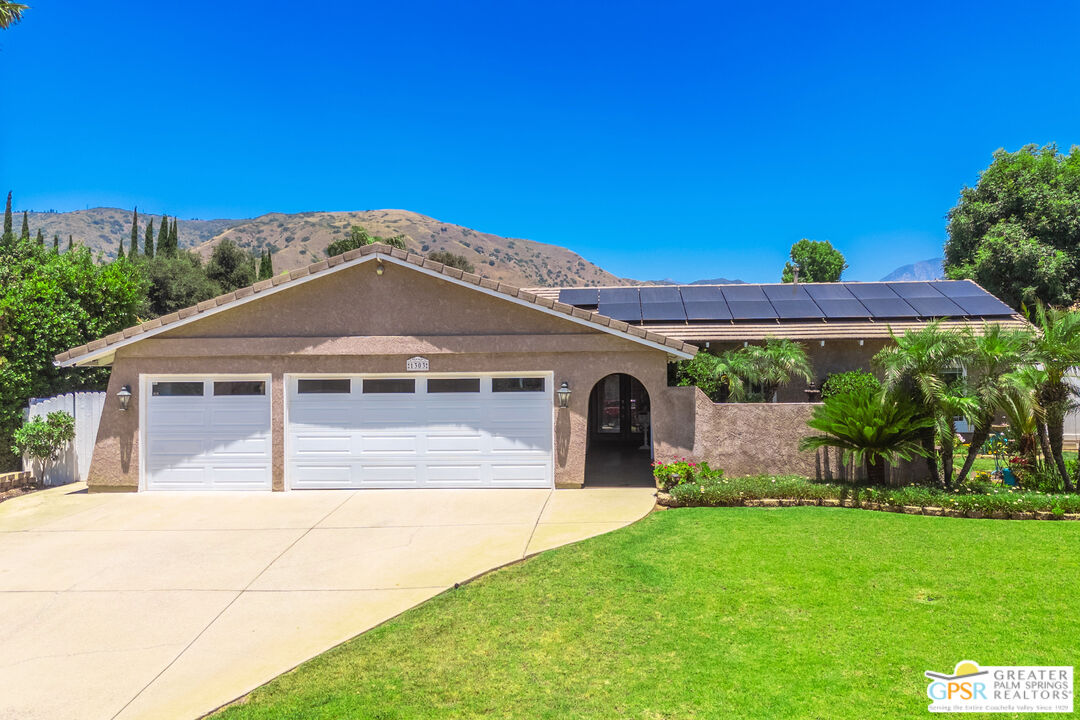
985,304
841,308
915,290
940,306
581,297
663,312
958,288
619,295
871,291
627,312
797,309
703,302
743,293
751,310
660,294
828,291
893,307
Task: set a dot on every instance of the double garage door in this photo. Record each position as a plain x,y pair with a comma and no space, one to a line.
457,431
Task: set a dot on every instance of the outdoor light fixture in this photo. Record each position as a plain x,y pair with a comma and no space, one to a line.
564,395
379,268
124,397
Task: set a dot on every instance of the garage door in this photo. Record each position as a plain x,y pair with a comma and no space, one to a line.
419,431
207,434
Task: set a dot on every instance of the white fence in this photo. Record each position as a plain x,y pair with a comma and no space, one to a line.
1072,420
74,463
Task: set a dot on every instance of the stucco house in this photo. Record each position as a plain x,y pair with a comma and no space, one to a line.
382,369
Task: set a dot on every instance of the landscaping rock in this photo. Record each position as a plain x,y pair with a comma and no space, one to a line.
787,502
848,502
808,502
665,499
912,510
935,511
952,512
1044,515
831,502
976,514
999,515
754,502
1072,516
770,502
1023,516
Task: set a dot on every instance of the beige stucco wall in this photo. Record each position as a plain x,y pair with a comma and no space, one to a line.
353,321
761,438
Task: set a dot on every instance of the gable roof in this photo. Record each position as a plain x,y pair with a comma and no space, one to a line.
100,351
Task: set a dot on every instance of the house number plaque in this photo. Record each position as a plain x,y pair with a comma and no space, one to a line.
417,364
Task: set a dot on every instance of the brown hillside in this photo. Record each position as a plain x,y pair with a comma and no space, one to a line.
299,239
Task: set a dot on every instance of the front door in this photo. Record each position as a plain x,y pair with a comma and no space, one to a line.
618,410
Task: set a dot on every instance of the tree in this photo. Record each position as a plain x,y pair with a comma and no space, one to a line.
25,234
56,243
148,241
266,266
71,243
49,303
40,238
776,363
9,232
455,261
869,429
120,249
174,237
357,237
133,246
850,381
174,283
914,366
989,358
719,376
163,237
1017,232
1056,350
11,13
817,260
230,266
43,439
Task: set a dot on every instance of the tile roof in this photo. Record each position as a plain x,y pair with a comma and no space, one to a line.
71,356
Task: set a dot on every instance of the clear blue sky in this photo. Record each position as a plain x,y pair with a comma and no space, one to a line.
656,139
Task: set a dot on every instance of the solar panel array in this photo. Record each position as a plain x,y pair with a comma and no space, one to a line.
805,301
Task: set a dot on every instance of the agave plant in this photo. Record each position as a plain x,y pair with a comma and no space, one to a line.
870,429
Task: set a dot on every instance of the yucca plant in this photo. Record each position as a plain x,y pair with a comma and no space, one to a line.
870,429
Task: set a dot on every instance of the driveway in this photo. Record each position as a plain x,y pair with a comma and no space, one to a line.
166,605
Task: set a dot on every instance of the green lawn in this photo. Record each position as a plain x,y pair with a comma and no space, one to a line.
715,613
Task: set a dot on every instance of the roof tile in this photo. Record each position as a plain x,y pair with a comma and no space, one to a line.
318,267
352,254
263,285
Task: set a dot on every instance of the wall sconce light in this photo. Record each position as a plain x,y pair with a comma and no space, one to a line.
124,397
564,395
379,268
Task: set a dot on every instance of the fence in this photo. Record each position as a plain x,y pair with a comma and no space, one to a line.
74,462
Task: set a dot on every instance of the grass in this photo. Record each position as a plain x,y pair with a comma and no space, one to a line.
713,612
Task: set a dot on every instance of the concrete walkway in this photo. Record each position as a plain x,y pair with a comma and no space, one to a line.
167,605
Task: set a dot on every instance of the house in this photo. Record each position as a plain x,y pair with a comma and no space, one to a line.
382,369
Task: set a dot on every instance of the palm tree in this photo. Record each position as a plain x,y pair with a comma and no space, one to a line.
10,13
776,363
1057,349
719,376
914,367
989,358
869,428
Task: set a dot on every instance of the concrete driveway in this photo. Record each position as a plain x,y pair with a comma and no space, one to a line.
166,605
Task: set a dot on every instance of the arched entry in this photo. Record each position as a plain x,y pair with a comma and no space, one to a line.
619,449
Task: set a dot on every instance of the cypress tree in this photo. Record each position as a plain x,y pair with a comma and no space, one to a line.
148,247
163,236
120,250
25,234
266,267
9,231
40,238
56,243
134,244
174,241
71,243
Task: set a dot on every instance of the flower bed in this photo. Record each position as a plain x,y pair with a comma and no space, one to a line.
710,488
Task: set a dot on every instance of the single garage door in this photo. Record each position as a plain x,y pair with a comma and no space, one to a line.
207,434
419,431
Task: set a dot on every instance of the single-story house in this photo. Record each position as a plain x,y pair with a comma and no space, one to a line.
382,369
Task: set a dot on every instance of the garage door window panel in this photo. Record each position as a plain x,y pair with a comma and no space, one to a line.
239,388
517,384
453,385
389,386
324,387
177,389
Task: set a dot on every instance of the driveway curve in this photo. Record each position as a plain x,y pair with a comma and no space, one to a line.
168,605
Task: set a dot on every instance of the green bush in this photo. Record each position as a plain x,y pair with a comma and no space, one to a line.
851,381
670,474
43,439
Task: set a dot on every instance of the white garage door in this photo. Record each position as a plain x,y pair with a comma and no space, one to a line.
207,434
419,431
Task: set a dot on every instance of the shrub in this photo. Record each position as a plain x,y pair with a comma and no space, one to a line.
670,474
43,439
851,381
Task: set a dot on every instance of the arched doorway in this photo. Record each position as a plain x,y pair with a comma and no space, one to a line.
619,448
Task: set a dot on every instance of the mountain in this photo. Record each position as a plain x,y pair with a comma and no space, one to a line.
301,238
710,281
932,269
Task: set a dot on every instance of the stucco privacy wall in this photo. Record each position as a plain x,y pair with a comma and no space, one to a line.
760,438
355,321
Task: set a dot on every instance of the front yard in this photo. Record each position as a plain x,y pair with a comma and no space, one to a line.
803,612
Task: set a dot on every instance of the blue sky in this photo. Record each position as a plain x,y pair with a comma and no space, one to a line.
680,140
